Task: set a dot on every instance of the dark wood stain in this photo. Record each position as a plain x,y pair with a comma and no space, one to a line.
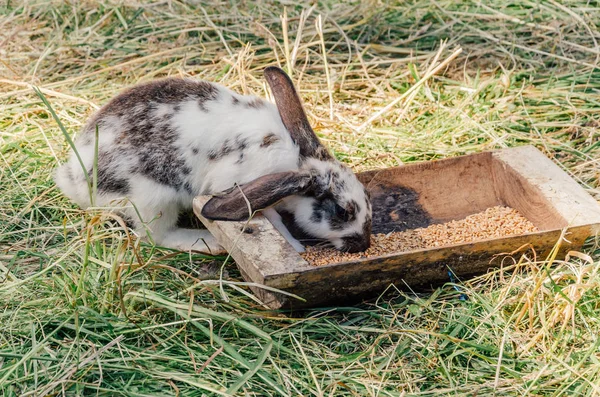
397,208
521,177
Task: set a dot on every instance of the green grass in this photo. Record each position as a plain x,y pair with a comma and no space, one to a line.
84,310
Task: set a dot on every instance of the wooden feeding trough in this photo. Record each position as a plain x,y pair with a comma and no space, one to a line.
433,192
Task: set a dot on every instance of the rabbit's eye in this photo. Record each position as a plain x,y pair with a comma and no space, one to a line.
341,212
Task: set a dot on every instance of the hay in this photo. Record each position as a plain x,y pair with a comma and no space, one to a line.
84,310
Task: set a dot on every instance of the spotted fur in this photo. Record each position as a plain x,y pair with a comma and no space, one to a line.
336,208
255,103
269,139
164,142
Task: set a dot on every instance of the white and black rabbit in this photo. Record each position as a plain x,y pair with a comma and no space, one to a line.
164,142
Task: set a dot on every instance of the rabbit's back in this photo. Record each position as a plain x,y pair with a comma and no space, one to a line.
179,137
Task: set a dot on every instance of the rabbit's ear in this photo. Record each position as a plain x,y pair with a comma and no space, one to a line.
292,114
260,194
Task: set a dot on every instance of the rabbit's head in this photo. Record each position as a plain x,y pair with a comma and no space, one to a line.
325,197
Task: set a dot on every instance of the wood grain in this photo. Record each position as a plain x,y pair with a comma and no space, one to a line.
448,189
522,178
556,200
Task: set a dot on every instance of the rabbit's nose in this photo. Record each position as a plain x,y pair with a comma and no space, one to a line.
356,242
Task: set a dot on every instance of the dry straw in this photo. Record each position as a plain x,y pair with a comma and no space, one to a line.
84,310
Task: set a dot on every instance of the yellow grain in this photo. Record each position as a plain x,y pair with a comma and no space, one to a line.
494,222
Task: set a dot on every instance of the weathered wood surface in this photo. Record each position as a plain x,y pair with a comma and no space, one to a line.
345,283
522,178
257,247
448,189
570,204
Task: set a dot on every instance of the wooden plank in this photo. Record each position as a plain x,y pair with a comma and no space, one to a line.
522,178
447,189
260,251
567,198
346,283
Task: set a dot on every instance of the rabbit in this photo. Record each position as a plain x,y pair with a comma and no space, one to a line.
162,143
